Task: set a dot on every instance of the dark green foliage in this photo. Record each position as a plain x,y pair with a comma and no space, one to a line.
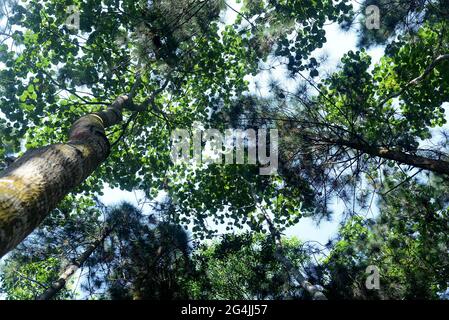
244,267
143,261
407,242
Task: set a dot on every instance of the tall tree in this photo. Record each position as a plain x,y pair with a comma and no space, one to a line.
62,238
173,64
181,69
73,267
38,181
407,243
30,188
348,126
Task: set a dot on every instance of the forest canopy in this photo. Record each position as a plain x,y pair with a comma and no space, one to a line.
101,95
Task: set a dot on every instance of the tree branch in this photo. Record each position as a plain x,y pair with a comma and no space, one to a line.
416,80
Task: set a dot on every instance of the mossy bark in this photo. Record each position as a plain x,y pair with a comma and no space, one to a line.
35,183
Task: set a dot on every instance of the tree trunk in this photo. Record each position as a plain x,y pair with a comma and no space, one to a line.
437,166
314,291
35,183
70,270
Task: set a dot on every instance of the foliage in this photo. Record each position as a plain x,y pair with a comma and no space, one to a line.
365,133
407,242
245,267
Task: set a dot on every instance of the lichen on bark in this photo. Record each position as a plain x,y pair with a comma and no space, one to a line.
34,184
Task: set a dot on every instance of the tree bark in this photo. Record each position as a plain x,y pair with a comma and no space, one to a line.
437,166
70,270
35,183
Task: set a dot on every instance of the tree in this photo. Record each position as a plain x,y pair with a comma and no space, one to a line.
146,257
30,187
63,237
88,146
73,267
188,55
357,120
245,266
407,242
173,64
